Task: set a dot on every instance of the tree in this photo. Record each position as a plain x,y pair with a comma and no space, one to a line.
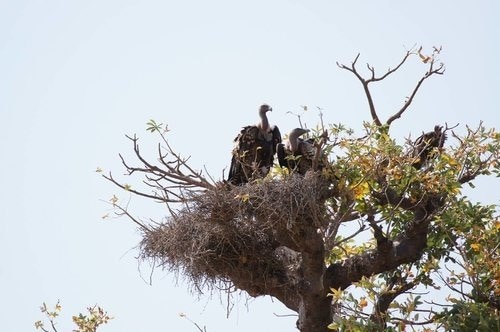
280,236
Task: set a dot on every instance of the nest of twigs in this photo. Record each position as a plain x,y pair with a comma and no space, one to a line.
235,232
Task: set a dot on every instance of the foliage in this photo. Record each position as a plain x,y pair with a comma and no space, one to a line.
89,322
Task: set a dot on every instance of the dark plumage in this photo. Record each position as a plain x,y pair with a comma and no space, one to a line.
297,154
254,150
425,145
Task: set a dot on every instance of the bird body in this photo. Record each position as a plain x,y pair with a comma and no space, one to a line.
253,153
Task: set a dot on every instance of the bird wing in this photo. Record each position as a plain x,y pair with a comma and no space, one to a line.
244,155
281,153
442,139
421,143
276,138
268,144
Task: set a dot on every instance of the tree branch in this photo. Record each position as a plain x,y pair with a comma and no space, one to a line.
373,78
175,179
365,83
379,315
429,73
405,248
390,71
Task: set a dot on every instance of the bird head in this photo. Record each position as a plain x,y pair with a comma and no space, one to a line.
293,138
264,108
297,132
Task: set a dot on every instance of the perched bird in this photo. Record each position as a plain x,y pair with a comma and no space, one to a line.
425,145
253,153
298,154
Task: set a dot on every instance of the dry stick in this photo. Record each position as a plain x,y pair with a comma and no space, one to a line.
123,211
110,178
172,175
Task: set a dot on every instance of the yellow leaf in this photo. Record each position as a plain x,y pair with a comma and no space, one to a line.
476,247
98,170
333,326
424,58
336,294
363,302
113,200
361,190
455,190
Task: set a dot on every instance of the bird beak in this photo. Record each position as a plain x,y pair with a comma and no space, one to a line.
270,109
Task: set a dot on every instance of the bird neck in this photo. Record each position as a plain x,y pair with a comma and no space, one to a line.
294,143
264,122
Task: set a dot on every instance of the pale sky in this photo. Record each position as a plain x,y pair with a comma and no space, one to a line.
76,76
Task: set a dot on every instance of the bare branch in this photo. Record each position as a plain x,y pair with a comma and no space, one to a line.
373,78
126,188
124,211
364,83
429,73
390,71
173,181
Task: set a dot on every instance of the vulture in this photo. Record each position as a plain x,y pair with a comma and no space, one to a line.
297,154
253,153
425,145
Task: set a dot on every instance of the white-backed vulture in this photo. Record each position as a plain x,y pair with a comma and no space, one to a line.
298,154
424,147
253,153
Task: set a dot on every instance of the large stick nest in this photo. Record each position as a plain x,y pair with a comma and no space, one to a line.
237,233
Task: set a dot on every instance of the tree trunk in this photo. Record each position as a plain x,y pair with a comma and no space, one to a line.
315,306
315,314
